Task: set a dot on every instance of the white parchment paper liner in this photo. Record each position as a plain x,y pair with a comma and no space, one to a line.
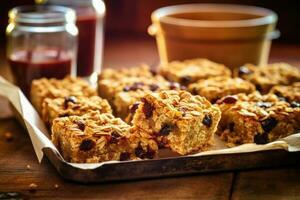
40,138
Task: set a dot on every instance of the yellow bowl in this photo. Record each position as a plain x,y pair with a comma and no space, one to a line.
229,34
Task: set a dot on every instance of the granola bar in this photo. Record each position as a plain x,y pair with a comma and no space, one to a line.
190,71
117,74
71,105
256,118
290,93
125,92
53,88
96,137
265,77
218,87
178,120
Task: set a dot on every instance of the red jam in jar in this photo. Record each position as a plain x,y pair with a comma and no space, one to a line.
42,42
29,65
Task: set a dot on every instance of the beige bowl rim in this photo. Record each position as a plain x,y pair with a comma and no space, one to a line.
162,15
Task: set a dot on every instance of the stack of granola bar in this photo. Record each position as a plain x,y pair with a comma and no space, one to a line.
137,111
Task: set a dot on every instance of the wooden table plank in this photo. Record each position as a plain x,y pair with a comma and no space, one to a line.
18,153
275,184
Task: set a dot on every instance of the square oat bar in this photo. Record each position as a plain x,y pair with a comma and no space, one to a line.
71,105
190,71
96,137
217,87
256,118
265,77
52,88
178,120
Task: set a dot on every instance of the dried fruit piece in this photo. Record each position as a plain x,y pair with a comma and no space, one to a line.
231,126
139,152
268,124
185,80
153,87
207,120
261,138
115,136
80,125
134,107
147,108
124,156
69,99
174,85
166,129
229,100
87,145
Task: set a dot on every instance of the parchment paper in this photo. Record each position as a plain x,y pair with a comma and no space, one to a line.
40,137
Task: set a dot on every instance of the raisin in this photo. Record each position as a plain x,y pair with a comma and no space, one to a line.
126,88
124,156
182,87
295,104
70,99
269,124
147,108
264,104
231,126
87,144
261,138
80,125
258,87
161,144
153,72
114,137
185,80
166,129
229,100
243,70
140,152
207,120
63,115
280,96
174,85
153,87
150,153
134,107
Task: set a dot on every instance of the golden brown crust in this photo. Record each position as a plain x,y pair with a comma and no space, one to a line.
290,93
265,77
218,87
69,106
53,88
190,71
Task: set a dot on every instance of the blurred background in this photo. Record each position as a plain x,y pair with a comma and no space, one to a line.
127,22
132,17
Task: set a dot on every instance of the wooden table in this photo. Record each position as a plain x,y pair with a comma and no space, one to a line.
19,167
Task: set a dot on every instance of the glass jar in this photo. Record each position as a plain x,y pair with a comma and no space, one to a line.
90,21
42,42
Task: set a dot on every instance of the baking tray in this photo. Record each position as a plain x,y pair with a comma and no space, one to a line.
175,166
219,158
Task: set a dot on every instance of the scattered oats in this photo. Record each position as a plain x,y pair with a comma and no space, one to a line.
56,186
33,187
28,167
8,136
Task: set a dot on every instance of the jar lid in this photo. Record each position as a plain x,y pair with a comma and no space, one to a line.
41,14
